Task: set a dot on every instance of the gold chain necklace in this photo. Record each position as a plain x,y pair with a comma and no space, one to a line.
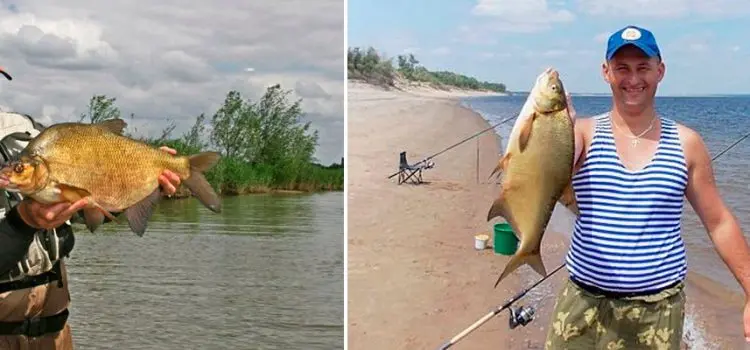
635,138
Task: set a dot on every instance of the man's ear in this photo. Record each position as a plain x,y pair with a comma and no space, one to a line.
661,69
605,72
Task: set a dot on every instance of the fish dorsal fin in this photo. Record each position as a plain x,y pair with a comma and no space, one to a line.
113,125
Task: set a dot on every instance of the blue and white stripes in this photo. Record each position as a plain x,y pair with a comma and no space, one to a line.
627,238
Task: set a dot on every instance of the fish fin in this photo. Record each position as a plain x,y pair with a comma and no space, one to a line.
93,217
139,213
73,194
525,134
104,212
197,182
568,199
203,161
498,208
113,125
501,165
533,259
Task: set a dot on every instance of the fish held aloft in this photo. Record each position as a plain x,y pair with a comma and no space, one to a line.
70,161
537,167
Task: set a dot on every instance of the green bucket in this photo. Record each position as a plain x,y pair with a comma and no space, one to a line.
505,241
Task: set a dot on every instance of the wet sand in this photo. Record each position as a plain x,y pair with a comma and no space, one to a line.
414,278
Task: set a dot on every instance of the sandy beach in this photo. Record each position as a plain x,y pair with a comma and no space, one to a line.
414,277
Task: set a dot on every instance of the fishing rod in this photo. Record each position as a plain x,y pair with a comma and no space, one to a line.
458,143
520,315
523,315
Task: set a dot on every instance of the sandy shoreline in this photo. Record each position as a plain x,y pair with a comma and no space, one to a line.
414,279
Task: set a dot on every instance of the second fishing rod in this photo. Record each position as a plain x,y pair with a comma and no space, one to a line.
523,315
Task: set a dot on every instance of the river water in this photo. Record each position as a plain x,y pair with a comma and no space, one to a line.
266,273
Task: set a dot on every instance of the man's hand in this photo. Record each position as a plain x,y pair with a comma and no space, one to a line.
746,318
45,216
168,180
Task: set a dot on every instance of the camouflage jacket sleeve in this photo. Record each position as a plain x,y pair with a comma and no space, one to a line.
15,238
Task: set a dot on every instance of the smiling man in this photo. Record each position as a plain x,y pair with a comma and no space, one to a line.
627,261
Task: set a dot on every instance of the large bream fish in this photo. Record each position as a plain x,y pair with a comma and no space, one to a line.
70,161
537,170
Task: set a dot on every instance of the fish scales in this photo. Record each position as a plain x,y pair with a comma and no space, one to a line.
89,155
537,170
70,161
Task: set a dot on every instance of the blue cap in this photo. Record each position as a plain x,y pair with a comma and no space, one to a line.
632,35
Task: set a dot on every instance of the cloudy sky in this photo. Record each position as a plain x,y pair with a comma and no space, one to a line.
704,42
174,59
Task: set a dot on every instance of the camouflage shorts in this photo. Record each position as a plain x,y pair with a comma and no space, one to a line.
582,320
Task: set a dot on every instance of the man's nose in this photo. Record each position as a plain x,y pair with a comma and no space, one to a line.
631,78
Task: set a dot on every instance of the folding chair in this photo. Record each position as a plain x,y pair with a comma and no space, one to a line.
407,171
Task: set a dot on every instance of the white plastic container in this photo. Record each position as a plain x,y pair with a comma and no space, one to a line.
480,241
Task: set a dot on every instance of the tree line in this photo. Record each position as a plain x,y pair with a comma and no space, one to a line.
264,144
368,65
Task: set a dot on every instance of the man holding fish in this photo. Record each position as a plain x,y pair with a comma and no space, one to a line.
627,259
34,306
629,169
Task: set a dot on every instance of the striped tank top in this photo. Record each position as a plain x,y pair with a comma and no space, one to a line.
627,237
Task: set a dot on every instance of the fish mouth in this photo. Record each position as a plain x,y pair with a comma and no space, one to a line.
10,187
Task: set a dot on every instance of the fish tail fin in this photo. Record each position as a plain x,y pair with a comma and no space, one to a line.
537,264
532,259
197,182
203,161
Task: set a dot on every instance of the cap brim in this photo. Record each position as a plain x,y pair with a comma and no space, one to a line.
646,50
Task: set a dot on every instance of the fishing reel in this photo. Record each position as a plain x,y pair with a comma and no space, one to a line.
521,315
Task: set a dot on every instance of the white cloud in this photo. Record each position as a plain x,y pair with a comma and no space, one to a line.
174,59
475,35
665,8
410,50
441,51
696,42
491,55
555,53
521,16
602,37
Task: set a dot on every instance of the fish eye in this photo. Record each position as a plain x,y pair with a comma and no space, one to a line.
18,168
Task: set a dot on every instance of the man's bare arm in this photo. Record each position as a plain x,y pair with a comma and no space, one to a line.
722,226
579,133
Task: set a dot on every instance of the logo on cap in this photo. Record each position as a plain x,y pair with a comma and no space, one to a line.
631,34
